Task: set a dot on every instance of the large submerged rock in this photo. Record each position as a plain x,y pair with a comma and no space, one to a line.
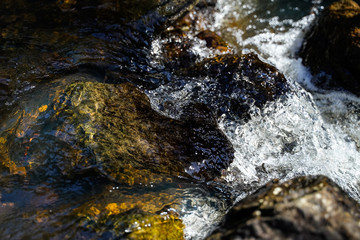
332,45
99,160
113,129
302,208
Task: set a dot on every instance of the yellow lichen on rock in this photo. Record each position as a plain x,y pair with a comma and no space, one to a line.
165,226
113,208
42,108
6,162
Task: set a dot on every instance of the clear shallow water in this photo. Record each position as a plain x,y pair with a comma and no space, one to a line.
308,132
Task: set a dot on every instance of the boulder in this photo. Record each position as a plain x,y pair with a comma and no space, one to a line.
114,130
213,40
301,208
332,45
238,84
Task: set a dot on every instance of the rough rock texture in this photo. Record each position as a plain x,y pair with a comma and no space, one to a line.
302,208
238,83
213,40
125,134
113,129
179,40
333,45
43,40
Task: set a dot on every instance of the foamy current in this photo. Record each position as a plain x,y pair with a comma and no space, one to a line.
308,132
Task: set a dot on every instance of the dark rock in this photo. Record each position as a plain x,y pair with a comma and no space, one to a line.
333,45
237,83
213,40
45,40
73,211
177,49
179,40
131,216
302,208
206,3
113,129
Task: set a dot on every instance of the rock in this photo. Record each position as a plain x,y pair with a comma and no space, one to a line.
176,49
332,45
88,208
213,40
301,208
238,83
42,41
179,41
135,216
113,129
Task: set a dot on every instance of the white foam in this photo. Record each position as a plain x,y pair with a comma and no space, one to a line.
290,138
312,131
321,127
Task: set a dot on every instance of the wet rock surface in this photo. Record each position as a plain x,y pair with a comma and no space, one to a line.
229,84
85,156
113,129
301,208
332,45
241,82
91,160
110,214
61,37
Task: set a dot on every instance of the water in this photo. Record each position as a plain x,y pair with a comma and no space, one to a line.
310,131
314,131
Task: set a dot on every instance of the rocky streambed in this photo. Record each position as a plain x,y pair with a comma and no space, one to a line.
128,120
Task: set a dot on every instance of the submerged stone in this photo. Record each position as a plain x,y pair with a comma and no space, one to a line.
114,130
142,215
301,208
332,45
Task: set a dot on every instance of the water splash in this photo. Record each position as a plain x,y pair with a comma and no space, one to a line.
288,139
314,131
310,131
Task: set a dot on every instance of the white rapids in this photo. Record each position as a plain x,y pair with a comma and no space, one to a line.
309,132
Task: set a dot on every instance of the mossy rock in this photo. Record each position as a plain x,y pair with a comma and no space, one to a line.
90,221
113,129
136,216
332,45
119,126
301,208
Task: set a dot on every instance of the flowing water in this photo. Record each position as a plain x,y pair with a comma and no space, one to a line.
310,131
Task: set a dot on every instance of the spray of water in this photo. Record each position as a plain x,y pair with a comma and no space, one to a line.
308,132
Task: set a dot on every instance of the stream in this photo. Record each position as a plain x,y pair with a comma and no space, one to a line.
309,132
305,131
